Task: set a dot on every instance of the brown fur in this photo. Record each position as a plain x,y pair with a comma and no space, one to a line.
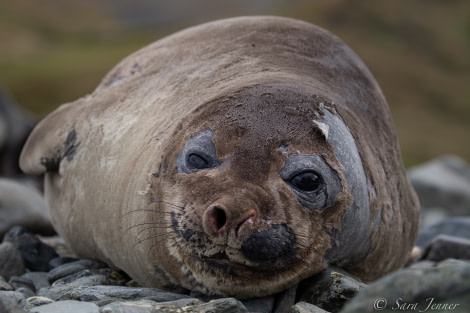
257,82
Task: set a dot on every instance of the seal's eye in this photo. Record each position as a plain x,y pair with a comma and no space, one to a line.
198,154
307,181
312,180
197,161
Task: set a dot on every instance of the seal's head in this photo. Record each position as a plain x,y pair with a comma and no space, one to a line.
236,158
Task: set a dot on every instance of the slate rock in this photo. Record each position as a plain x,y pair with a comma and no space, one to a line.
72,268
69,306
304,307
36,255
22,205
148,306
456,226
223,305
417,287
330,290
11,262
443,183
71,278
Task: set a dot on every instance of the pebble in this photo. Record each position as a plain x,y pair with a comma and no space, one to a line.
305,307
35,301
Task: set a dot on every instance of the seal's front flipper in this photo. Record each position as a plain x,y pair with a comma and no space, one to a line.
55,138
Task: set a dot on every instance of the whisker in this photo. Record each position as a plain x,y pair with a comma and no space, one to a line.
153,237
158,242
147,210
154,227
143,224
171,204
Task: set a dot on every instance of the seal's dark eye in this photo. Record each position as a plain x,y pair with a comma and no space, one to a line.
197,161
306,181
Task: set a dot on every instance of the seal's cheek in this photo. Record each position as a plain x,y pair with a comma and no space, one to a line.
275,244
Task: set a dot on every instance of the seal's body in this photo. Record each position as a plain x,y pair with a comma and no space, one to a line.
233,158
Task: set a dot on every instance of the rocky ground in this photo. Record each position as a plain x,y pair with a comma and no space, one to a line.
39,273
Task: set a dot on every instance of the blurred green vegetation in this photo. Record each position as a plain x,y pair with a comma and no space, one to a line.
54,51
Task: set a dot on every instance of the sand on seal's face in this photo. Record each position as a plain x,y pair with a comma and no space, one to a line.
233,158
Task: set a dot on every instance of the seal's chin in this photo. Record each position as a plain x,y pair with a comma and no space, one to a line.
220,276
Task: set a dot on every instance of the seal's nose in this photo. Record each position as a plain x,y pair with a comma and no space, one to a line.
219,219
216,217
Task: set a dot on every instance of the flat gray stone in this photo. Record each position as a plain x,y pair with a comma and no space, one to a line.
68,306
86,280
71,268
224,305
414,289
304,307
148,306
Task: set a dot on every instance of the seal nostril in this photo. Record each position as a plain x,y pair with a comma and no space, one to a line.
219,218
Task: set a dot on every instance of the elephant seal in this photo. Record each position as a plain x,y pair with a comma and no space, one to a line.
234,158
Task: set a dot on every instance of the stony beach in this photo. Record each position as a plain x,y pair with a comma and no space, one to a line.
40,274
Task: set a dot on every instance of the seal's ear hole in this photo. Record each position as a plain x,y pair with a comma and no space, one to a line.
198,153
312,180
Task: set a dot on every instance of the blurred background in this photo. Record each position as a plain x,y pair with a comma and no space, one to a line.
55,51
